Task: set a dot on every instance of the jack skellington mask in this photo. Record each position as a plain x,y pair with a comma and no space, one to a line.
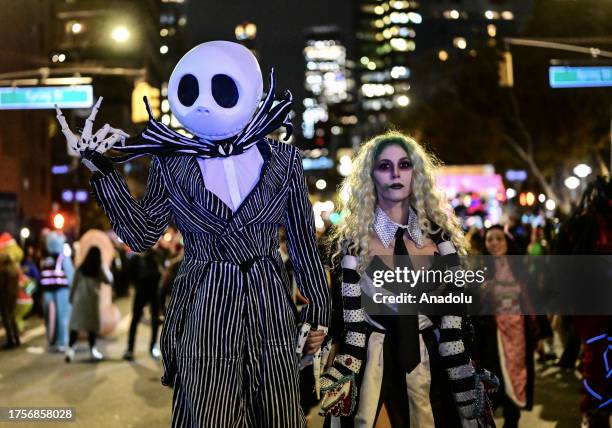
215,92
215,89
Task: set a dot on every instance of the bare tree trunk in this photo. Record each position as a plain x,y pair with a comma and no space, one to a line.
563,204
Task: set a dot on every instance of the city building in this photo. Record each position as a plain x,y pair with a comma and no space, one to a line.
25,175
460,27
385,45
120,50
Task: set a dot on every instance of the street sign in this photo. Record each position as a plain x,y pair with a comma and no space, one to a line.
45,97
580,77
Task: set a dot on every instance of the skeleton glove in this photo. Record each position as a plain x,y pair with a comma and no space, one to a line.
92,146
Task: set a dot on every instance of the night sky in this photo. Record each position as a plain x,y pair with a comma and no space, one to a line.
280,30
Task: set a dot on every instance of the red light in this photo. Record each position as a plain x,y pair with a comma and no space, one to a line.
522,199
58,221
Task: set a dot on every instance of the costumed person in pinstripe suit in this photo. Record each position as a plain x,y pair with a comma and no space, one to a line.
229,338
415,366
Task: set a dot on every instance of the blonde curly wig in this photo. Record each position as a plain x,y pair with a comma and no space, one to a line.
352,234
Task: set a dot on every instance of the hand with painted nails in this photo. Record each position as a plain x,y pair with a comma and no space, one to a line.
92,146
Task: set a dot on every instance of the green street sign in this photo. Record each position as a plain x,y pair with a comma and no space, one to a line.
580,77
46,97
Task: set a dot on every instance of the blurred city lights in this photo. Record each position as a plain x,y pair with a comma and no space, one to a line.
81,195
67,196
163,32
163,49
582,170
24,233
460,42
550,205
58,221
542,198
530,198
120,34
167,237
402,100
491,30
67,250
510,193
59,169
321,184
345,166
443,55
76,27
507,15
489,14
572,182
345,194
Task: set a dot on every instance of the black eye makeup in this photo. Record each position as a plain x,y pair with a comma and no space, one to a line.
384,165
405,164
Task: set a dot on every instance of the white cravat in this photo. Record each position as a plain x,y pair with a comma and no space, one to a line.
232,178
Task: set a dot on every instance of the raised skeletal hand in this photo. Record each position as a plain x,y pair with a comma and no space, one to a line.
92,146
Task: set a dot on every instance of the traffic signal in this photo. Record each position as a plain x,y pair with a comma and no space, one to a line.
59,221
139,111
505,70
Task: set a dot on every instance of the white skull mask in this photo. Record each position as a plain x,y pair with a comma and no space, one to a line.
215,88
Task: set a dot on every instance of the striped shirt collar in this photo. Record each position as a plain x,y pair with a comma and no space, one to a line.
386,228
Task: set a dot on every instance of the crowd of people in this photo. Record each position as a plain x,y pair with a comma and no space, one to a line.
40,280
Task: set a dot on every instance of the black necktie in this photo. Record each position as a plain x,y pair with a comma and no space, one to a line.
407,325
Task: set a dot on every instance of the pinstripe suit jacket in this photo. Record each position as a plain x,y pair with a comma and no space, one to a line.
211,231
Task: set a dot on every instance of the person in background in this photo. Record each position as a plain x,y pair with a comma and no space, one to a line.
57,272
85,299
506,340
29,266
145,273
9,285
26,286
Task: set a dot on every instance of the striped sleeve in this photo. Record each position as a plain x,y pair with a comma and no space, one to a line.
459,368
303,251
138,223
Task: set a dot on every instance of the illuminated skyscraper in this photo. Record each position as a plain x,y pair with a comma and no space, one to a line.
327,80
385,44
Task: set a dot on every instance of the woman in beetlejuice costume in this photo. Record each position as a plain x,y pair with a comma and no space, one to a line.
229,338
416,366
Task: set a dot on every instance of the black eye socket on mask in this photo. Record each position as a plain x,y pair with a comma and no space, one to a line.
224,90
188,90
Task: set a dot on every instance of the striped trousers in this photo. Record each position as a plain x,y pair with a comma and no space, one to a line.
229,345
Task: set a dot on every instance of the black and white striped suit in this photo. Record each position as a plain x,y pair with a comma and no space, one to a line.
228,341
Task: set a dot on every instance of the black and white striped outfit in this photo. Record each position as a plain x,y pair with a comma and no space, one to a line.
443,390
228,342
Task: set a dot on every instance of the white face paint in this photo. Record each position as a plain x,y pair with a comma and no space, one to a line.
215,89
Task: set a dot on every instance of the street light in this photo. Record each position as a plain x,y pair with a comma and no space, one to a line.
120,34
76,27
572,182
582,170
321,184
24,233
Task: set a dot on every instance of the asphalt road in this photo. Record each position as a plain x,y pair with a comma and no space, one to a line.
128,394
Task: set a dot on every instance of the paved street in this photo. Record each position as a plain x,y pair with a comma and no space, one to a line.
121,394
110,393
